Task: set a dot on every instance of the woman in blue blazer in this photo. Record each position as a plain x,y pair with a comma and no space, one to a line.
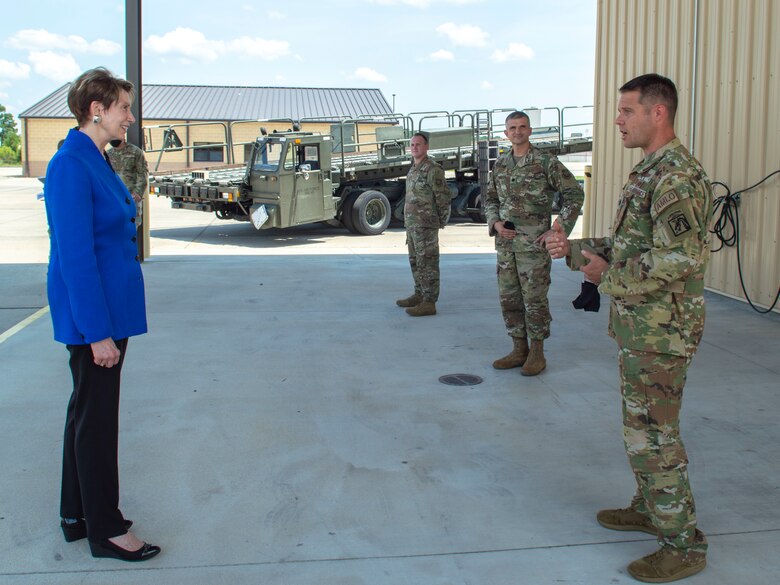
96,297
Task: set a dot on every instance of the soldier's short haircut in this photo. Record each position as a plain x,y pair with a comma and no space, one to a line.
518,114
95,85
423,135
654,89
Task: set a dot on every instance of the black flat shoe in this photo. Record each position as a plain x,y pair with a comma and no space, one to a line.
107,549
78,530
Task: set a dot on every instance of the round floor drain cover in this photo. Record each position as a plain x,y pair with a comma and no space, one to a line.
460,380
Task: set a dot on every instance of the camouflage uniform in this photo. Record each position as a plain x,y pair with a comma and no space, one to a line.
130,164
426,211
657,257
522,192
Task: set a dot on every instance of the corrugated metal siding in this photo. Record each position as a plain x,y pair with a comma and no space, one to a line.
201,103
728,115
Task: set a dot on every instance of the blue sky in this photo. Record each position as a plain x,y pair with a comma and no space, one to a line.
430,54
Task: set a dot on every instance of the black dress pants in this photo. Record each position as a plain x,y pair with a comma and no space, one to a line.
90,470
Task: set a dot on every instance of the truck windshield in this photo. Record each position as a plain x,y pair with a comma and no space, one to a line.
268,155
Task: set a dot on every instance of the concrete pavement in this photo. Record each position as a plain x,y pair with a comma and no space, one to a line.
283,422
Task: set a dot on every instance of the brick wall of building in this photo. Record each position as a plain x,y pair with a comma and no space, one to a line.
40,137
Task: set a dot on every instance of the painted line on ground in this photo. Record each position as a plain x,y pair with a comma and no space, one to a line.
22,324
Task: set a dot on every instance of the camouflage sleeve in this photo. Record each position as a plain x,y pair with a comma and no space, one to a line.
573,196
140,175
491,203
601,246
441,194
678,242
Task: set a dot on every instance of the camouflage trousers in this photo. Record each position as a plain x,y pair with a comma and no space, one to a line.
652,387
423,245
523,282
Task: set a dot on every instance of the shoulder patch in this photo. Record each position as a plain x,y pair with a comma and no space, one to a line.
678,223
668,198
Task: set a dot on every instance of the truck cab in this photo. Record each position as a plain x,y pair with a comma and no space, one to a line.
290,180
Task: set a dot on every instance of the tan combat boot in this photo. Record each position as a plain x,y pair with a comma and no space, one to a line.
535,362
424,309
626,519
411,301
667,564
516,357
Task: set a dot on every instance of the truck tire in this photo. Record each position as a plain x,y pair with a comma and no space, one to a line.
475,209
346,212
371,213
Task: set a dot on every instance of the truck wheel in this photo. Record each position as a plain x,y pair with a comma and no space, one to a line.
346,212
371,213
475,210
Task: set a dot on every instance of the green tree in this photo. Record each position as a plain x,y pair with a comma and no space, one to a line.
9,137
7,156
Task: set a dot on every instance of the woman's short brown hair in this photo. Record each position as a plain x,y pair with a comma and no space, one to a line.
95,85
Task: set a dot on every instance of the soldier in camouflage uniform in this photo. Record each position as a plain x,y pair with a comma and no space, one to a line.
653,267
426,211
130,164
521,191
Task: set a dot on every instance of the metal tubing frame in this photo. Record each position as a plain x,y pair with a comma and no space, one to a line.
187,125
454,119
577,125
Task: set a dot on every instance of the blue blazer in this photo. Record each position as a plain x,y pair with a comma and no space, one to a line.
95,285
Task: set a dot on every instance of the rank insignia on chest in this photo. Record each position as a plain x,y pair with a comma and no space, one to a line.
678,223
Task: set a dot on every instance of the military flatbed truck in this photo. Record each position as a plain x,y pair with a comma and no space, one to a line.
294,177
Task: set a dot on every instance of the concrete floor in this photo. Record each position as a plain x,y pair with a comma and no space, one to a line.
283,422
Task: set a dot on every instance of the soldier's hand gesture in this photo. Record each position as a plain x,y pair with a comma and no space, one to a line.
555,241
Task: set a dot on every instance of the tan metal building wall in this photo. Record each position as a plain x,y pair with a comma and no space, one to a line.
724,56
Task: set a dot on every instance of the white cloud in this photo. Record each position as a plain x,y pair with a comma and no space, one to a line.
368,75
276,15
486,85
104,47
442,55
55,66
187,43
11,70
514,52
465,34
41,40
257,47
